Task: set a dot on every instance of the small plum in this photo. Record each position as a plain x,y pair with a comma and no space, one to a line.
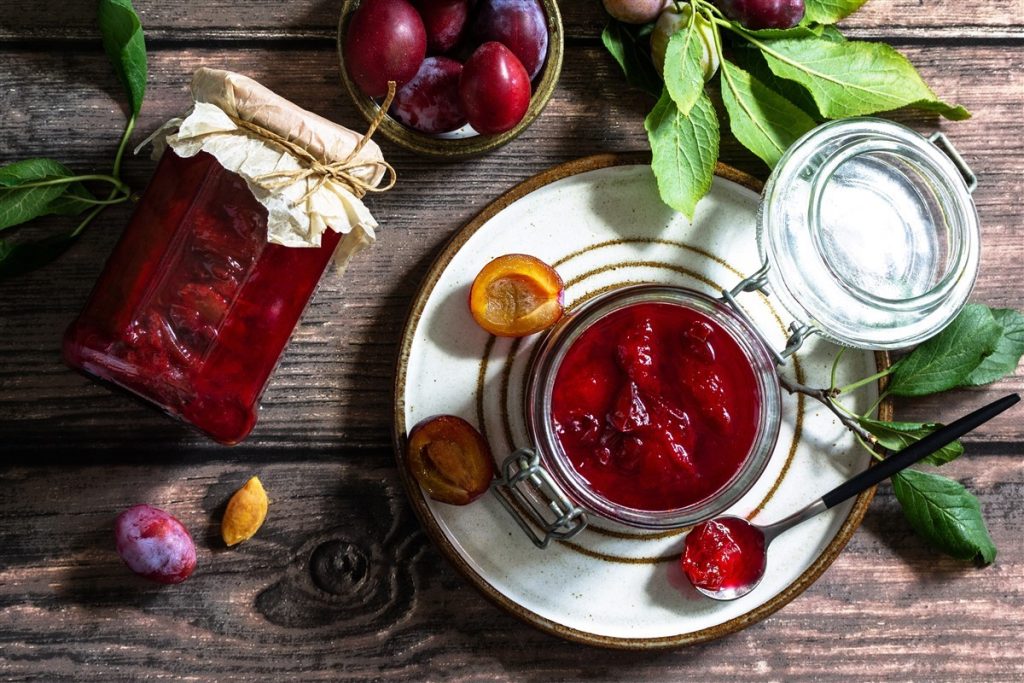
385,41
519,25
759,14
670,22
154,544
635,11
429,102
445,21
494,89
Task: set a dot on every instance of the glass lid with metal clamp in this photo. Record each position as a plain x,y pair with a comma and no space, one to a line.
869,238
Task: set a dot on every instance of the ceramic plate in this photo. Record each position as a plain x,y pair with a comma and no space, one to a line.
600,223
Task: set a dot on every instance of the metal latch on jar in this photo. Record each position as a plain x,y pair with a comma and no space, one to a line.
758,282
946,147
536,501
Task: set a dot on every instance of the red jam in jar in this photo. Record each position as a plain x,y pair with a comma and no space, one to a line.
656,406
194,306
724,554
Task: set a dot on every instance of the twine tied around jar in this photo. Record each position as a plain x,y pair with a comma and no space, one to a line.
339,171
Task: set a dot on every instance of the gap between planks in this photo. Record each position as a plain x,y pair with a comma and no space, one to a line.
173,38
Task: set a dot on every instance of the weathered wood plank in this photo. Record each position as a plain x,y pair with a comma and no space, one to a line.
75,454
181,20
70,611
335,380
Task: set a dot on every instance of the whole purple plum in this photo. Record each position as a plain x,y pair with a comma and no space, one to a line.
519,25
385,41
154,544
430,101
758,14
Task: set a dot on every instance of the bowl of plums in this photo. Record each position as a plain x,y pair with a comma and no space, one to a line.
470,75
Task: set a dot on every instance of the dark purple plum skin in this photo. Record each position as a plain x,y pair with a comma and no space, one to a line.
494,89
520,25
154,544
758,14
429,102
445,21
385,41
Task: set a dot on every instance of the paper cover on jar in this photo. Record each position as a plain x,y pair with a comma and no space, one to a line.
281,151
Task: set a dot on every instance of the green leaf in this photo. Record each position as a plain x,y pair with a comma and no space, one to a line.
751,59
833,34
21,204
801,31
945,514
830,11
851,78
951,112
946,360
898,435
684,75
125,45
624,43
1009,349
31,170
762,120
684,150
72,202
17,259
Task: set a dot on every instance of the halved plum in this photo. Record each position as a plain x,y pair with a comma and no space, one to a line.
450,459
516,295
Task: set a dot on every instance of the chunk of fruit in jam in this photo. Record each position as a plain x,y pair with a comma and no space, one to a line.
655,406
450,459
629,412
516,295
697,342
636,357
723,553
708,393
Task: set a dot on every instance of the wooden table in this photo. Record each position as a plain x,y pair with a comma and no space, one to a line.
75,454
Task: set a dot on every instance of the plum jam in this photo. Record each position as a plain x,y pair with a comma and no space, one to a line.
656,406
724,554
194,306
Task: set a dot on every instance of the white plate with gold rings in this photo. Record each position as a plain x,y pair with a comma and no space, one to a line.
600,223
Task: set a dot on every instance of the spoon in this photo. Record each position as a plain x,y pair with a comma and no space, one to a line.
729,554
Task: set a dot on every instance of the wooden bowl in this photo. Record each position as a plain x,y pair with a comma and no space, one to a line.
447,146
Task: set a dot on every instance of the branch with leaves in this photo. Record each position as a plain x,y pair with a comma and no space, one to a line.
775,84
43,187
980,346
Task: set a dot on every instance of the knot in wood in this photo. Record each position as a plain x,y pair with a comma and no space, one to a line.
338,567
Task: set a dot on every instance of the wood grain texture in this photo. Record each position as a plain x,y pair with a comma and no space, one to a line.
341,584
336,375
266,19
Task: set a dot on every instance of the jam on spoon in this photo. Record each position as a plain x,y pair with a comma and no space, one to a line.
725,558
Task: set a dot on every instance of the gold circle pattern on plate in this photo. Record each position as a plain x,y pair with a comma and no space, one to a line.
434,531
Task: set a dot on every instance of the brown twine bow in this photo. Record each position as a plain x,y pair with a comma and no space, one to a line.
339,171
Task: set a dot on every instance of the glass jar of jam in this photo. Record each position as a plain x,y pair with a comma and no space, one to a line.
195,304
654,406
659,407
190,312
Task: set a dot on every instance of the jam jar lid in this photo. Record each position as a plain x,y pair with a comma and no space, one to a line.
870,234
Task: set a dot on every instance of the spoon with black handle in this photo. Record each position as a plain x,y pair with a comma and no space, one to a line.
725,557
